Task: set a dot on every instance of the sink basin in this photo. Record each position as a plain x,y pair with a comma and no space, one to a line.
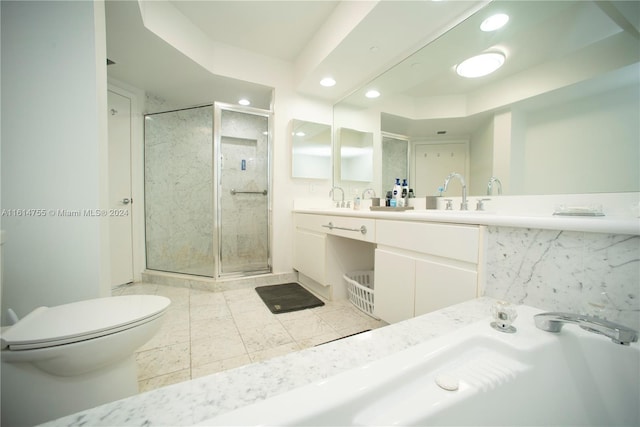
473,376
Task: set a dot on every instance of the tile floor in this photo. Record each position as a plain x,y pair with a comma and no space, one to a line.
206,332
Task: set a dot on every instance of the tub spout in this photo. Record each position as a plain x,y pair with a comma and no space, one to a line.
553,322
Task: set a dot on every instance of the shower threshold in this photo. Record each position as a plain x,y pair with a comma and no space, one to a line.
217,284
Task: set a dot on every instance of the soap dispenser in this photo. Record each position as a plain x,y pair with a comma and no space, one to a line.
397,193
397,189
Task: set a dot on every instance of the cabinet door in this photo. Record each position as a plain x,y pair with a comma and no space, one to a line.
394,286
309,255
440,285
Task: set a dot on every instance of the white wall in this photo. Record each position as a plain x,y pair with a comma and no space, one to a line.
481,158
288,105
580,145
601,131
54,153
312,166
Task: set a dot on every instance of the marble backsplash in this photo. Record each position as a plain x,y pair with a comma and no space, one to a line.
568,271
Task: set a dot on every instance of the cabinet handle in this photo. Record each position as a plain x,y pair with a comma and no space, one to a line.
330,226
234,192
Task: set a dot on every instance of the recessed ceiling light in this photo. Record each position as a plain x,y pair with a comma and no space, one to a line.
494,22
327,82
480,65
372,93
244,101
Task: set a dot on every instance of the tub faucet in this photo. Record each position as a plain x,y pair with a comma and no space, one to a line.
494,180
341,204
464,205
553,322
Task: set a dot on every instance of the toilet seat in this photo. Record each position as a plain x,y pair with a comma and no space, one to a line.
52,326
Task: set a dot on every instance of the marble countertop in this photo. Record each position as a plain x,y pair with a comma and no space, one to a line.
197,400
602,224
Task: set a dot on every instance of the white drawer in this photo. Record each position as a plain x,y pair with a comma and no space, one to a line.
310,222
459,242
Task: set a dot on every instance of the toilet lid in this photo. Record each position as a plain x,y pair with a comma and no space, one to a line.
68,323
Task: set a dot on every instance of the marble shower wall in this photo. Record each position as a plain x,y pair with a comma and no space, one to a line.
566,271
179,192
244,231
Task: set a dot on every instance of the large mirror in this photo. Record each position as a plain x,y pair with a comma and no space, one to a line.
310,150
356,155
560,116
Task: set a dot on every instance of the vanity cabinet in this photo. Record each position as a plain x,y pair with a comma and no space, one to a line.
394,280
309,247
325,247
441,284
419,266
422,267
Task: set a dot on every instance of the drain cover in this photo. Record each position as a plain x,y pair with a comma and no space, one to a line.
447,382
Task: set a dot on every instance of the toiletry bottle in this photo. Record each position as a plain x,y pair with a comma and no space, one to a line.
397,193
387,200
356,200
405,189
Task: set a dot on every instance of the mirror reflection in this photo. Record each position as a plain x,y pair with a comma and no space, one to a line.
559,116
356,155
395,155
310,150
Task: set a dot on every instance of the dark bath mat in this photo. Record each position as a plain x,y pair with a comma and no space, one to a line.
288,297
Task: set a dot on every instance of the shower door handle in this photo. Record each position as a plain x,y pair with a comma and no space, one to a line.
126,201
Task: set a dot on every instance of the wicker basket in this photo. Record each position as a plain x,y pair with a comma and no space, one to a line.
360,290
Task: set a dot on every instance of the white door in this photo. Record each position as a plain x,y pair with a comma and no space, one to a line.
120,220
433,163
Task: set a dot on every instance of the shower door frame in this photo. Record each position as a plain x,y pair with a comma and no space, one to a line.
218,107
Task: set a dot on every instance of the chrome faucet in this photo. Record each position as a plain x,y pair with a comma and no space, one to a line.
341,203
553,322
369,191
464,205
493,180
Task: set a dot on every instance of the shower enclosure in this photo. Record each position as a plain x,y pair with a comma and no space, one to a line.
207,191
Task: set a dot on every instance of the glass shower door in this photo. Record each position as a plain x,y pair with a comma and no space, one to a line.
242,138
178,191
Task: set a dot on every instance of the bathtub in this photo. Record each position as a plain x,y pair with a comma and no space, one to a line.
473,376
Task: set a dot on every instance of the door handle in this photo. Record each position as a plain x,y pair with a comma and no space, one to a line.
126,201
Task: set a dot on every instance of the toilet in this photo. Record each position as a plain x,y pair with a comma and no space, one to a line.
60,360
